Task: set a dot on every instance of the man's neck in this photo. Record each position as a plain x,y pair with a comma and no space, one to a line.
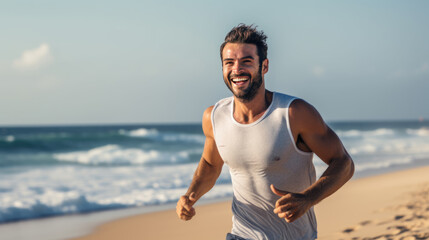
246,112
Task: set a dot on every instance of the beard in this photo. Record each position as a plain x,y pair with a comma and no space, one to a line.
249,93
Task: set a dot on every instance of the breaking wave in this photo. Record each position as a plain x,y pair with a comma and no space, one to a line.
115,155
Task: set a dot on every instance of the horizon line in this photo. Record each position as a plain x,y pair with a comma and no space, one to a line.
89,124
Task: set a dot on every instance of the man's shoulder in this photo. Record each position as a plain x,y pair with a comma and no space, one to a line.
222,103
304,116
207,115
299,109
299,106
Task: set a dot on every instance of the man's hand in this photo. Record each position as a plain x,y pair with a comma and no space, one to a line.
184,208
291,206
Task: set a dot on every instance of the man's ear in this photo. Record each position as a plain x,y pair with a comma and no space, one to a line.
265,64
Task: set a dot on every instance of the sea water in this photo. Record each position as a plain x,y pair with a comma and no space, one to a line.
49,171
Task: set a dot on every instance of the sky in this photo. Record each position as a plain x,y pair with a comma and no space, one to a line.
120,62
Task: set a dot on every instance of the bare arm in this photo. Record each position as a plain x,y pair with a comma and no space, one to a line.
206,174
312,134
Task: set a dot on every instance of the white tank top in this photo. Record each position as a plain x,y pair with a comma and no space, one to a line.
260,154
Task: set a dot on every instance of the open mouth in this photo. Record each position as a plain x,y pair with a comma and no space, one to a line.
240,80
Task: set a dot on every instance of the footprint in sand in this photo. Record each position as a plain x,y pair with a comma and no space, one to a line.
422,235
408,221
352,229
349,230
365,223
398,230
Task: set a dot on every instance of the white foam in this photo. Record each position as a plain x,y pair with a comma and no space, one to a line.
163,136
114,154
141,132
71,189
9,138
381,132
422,132
367,148
197,138
392,146
382,164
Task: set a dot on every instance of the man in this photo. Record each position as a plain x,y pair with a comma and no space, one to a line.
267,139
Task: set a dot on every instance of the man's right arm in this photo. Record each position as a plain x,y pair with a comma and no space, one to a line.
207,172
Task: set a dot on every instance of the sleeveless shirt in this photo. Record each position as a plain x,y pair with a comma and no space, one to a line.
260,154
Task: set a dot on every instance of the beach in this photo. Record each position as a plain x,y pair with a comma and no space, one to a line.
387,206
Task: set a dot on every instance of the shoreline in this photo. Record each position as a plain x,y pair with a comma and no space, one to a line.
372,204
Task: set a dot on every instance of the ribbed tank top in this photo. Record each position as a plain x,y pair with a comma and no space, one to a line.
260,154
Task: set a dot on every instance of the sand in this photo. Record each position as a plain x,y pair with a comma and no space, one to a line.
389,206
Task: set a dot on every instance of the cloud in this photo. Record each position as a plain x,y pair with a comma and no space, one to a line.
318,71
34,58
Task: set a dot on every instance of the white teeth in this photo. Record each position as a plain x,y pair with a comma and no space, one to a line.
239,79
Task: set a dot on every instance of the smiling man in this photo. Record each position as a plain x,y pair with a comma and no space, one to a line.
267,139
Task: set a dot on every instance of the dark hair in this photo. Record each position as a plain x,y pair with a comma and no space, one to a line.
247,34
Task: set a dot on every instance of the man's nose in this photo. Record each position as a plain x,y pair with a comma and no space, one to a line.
237,68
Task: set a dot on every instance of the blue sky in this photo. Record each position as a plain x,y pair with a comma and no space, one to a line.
103,62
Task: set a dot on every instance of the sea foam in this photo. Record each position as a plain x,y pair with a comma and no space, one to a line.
381,132
114,154
10,138
422,132
77,189
141,132
163,136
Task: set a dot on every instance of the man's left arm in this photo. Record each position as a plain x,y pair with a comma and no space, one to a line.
308,126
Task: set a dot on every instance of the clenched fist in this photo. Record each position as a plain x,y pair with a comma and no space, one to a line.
291,206
184,208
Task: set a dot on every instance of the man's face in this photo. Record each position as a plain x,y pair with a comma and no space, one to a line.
242,72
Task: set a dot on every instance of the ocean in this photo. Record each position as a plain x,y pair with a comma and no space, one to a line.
50,171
